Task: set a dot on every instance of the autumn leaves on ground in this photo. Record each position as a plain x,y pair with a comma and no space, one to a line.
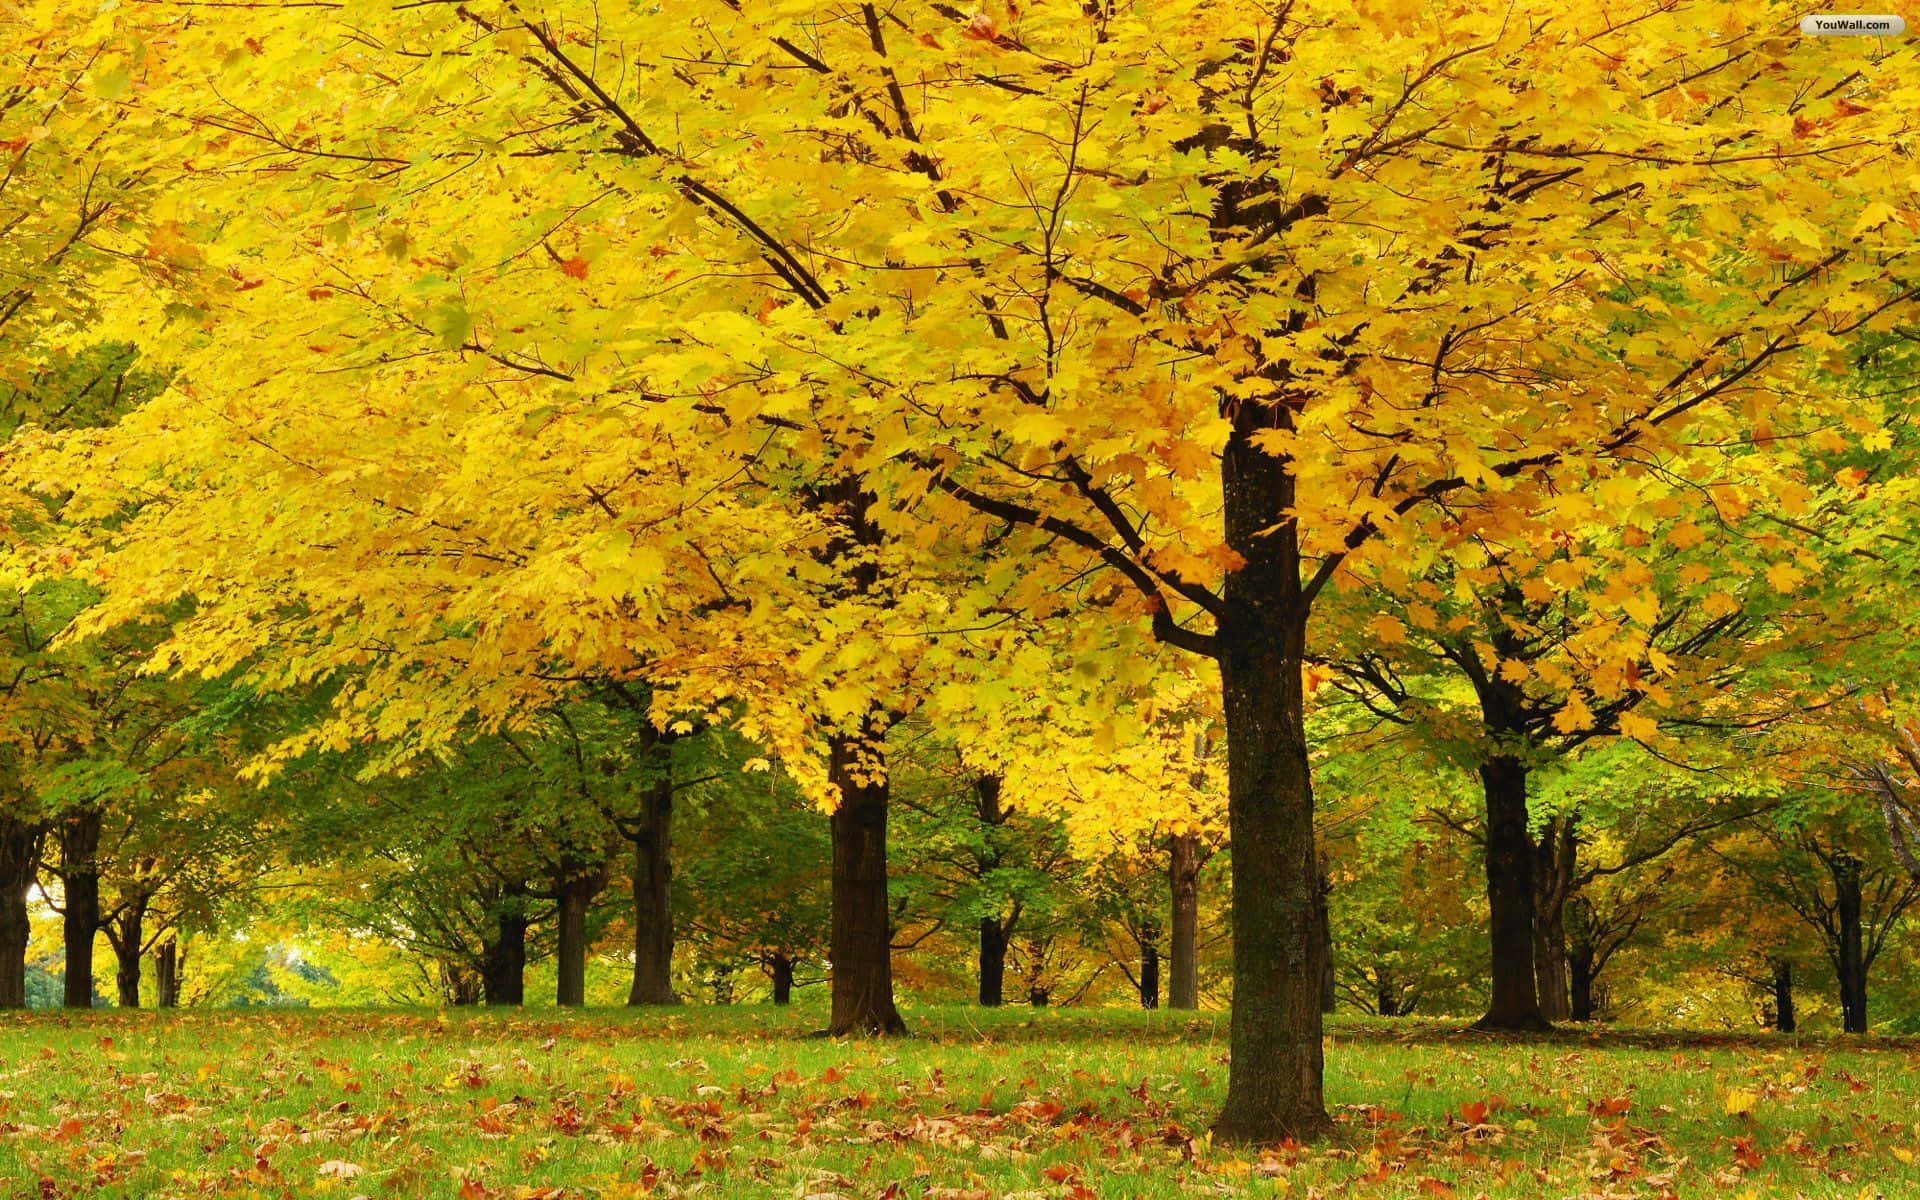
1049,1106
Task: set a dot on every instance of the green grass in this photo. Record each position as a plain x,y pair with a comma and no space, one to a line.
1054,1105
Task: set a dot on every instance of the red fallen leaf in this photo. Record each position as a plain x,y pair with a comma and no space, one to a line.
1474,1112
1061,1172
69,1129
1435,1187
575,267
1612,1106
1746,1153
1081,1191
473,1189
832,1075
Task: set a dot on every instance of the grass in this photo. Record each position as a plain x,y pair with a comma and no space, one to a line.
1055,1105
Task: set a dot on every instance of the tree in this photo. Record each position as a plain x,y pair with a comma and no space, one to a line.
1390,293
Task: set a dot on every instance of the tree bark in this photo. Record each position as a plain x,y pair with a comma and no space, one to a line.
80,896
575,894
1274,1088
1552,877
19,863
1850,954
1329,994
1581,977
1149,975
993,961
861,946
504,959
166,974
653,900
782,979
128,943
1515,1003
1783,1020
1038,996
1183,879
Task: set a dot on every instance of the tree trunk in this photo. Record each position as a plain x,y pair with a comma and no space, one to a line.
80,895
1516,998
1149,975
782,979
1850,954
574,895
653,900
993,961
1552,875
463,985
503,964
1329,994
166,974
128,942
1274,1088
861,946
1183,879
19,863
1038,996
1581,977
1783,995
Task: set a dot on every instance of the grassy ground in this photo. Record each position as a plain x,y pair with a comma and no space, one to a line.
1048,1106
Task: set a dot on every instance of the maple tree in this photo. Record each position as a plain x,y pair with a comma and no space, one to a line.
957,308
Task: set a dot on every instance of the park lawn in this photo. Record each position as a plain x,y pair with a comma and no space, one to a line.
1047,1105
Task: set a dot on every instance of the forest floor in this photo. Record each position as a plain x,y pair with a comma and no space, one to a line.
1019,1104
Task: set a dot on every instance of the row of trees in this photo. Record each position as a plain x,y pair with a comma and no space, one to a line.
525,393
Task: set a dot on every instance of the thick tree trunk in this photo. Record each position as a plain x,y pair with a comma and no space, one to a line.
1038,996
1850,954
1276,1063
653,900
503,965
1783,1019
80,896
1149,975
1516,999
1183,880
782,979
19,862
993,961
463,985
861,945
166,974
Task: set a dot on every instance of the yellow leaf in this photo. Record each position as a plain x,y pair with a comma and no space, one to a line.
1740,1102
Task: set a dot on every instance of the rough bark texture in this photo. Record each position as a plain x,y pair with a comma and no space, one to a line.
861,946
782,968
1149,975
1515,1003
993,961
19,859
80,900
504,960
1783,1019
1276,1061
1183,881
1850,958
166,974
653,899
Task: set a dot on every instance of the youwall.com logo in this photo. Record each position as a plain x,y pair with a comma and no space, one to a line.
1853,25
